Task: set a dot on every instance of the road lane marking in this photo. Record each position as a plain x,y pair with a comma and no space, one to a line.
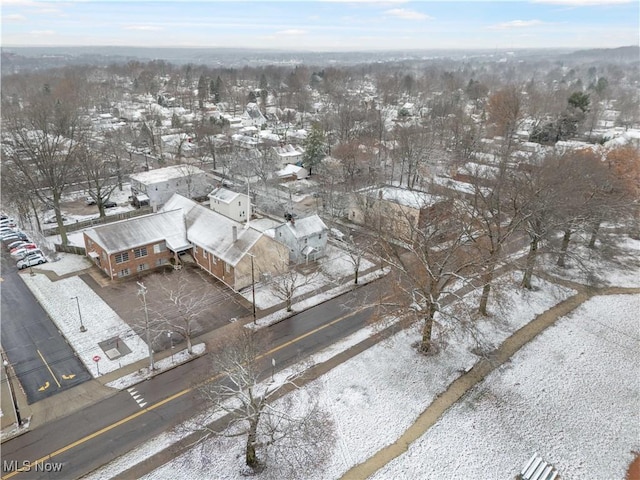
136,396
48,368
163,402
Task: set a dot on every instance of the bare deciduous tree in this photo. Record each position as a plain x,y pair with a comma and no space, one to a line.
286,286
178,306
291,433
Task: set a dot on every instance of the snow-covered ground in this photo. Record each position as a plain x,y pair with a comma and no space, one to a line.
571,395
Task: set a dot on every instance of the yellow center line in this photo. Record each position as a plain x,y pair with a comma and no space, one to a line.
156,405
48,368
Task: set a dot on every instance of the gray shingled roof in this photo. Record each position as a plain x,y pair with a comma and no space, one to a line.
133,232
306,226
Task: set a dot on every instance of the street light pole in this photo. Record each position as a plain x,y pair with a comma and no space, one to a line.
14,401
143,292
82,327
253,288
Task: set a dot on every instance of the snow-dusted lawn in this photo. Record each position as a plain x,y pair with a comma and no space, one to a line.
101,322
332,269
571,395
374,397
66,263
587,266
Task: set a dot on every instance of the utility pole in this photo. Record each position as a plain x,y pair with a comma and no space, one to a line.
143,291
82,327
14,401
253,287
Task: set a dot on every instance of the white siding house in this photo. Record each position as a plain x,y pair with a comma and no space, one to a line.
233,205
306,238
160,184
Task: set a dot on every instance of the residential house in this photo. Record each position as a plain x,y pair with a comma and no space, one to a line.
160,184
287,154
138,244
292,172
233,205
393,209
306,238
252,116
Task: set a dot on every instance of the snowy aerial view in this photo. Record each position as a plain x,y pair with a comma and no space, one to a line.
320,240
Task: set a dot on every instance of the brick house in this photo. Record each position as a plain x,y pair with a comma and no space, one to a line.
226,248
393,209
124,248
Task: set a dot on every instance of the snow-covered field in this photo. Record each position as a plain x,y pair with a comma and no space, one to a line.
571,395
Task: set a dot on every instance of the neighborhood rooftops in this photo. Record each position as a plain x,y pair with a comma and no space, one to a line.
167,173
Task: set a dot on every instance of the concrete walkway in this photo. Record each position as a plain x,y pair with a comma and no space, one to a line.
479,372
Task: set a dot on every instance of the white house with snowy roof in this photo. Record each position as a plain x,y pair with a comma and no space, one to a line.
306,238
233,205
155,187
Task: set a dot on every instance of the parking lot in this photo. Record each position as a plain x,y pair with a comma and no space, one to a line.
174,297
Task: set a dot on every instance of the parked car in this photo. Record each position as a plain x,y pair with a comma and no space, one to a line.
90,201
16,244
29,253
6,221
14,236
337,234
6,235
52,219
31,261
18,252
109,204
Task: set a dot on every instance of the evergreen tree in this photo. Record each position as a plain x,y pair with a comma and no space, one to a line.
315,148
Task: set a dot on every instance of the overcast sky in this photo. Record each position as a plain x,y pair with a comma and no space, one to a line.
323,25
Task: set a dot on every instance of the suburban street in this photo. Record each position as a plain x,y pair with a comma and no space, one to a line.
43,361
96,435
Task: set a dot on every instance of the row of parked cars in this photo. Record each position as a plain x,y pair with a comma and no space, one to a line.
17,242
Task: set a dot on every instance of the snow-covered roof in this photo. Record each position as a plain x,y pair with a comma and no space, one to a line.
288,151
224,195
401,196
290,170
214,231
134,232
305,227
160,175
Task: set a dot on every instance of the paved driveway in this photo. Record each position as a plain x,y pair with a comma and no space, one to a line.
43,361
215,304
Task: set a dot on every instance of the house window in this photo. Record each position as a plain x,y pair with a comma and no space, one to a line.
104,256
124,272
306,240
214,259
319,236
160,262
140,252
239,204
204,254
159,247
227,268
142,267
122,257
195,249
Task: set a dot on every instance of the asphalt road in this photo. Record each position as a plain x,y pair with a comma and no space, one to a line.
43,361
98,434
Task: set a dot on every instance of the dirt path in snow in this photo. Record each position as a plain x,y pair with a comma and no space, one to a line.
474,376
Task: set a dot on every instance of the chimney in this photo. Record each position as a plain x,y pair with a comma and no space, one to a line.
234,232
